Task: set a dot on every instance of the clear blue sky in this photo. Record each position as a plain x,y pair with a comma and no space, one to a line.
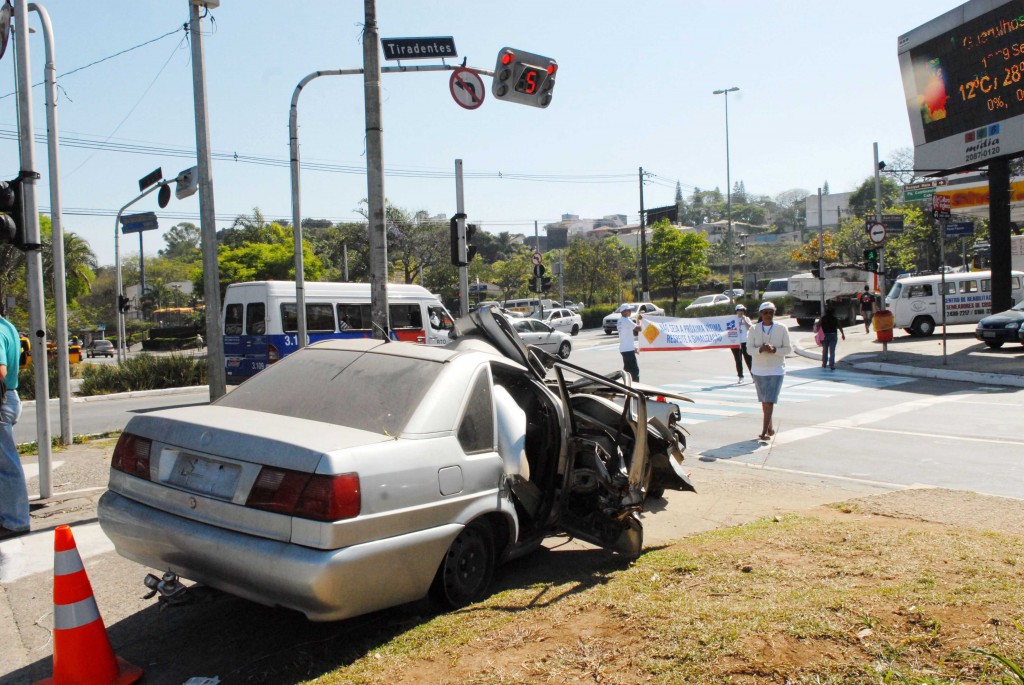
819,83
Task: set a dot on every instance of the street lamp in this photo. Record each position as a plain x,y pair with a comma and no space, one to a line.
728,179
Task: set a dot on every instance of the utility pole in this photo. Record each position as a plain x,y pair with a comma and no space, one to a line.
878,218
460,213
215,371
821,259
375,173
645,288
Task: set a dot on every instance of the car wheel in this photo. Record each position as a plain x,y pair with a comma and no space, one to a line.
575,329
994,344
923,326
607,332
467,567
564,349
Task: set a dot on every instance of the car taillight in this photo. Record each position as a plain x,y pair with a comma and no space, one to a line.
131,455
272,354
311,496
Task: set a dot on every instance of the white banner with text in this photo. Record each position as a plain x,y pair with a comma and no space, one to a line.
667,334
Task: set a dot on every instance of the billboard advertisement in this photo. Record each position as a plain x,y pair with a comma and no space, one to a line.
963,76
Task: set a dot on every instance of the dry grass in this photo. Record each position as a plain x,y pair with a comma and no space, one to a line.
831,597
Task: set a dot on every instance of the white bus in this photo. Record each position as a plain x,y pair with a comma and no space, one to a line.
916,302
261,319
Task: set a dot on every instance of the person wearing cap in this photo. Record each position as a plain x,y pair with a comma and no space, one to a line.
739,352
627,343
770,344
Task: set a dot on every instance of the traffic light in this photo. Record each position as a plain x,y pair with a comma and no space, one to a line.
470,249
545,284
524,78
871,260
123,303
12,222
458,256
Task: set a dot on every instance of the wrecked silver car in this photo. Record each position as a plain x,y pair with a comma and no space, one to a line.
355,475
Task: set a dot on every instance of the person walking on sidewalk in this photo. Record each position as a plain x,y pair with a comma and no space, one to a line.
740,353
867,307
770,344
627,342
14,518
830,326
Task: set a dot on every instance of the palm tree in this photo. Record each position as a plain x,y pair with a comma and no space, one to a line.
80,264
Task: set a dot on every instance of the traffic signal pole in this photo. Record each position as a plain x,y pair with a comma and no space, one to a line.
460,211
33,257
880,276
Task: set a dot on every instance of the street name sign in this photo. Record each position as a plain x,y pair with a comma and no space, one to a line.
922,190
893,224
136,223
959,229
151,178
419,48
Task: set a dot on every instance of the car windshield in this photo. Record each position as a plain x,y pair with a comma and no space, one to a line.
706,299
624,306
372,392
1019,307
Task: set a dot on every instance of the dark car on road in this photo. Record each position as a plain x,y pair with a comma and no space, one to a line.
997,329
100,348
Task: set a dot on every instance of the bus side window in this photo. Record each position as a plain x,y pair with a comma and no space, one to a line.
319,318
439,319
353,317
289,317
256,318
986,285
968,286
405,316
233,319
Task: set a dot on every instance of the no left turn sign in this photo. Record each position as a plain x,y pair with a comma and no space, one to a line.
467,88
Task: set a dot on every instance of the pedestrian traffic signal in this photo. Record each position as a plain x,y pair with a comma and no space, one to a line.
524,78
123,303
12,221
470,249
871,260
458,254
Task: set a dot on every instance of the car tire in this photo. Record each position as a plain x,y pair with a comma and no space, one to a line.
608,332
922,327
466,571
575,329
994,344
564,350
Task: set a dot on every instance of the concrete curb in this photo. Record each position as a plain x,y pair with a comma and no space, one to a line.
925,372
128,395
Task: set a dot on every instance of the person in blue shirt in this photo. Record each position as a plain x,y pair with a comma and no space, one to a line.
14,518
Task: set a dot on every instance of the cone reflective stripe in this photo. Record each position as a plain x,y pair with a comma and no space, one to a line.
82,654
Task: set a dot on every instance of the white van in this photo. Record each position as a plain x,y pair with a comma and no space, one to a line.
776,288
916,302
261,319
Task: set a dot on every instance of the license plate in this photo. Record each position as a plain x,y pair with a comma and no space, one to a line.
988,334
205,476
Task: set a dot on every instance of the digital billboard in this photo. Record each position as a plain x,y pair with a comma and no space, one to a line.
963,76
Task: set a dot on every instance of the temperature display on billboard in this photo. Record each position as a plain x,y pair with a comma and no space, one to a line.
963,74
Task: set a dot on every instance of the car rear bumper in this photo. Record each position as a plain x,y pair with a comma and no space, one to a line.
325,585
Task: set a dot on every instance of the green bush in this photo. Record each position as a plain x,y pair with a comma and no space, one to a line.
27,381
144,372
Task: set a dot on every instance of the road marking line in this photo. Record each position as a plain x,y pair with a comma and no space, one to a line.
994,441
829,476
32,470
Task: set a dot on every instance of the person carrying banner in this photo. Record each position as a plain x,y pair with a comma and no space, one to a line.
627,344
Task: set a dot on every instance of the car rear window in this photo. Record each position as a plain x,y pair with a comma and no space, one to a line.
372,392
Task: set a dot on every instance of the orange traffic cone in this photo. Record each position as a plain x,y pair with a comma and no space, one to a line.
82,654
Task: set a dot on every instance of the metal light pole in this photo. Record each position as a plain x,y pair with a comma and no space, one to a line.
728,181
743,261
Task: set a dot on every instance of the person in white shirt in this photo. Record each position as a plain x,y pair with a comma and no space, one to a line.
627,344
740,352
770,343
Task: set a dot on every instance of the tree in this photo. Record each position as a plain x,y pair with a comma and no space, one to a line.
183,243
513,275
679,193
597,268
677,258
862,200
808,253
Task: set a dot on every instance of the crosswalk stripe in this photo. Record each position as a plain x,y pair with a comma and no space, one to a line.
721,397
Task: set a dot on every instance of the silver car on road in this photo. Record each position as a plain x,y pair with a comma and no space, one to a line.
355,475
